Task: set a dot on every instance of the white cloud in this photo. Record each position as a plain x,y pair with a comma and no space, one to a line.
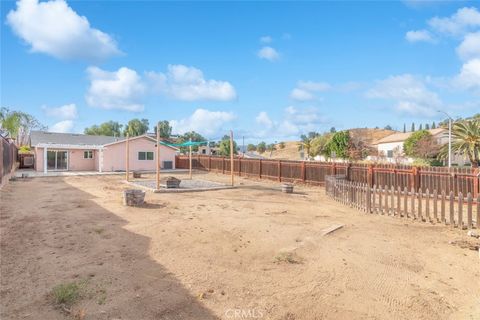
66,112
266,39
52,27
208,123
469,77
268,53
188,84
419,36
301,95
264,120
460,22
122,89
294,123
470,46
305,90
410,94
62,126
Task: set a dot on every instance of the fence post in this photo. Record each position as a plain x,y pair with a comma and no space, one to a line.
370,175
239,166
260,168
347,171
369,200
476,182
209,163
334,169
414,178
303,171
279,170
469,210
223,165
460,210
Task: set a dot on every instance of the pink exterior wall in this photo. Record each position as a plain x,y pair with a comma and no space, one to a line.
76,162
114,155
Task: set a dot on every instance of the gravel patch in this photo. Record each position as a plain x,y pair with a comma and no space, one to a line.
185,186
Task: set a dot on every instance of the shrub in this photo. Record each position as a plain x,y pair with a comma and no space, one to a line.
66,293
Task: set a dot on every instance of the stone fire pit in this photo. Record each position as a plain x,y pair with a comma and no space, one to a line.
133,197
172,182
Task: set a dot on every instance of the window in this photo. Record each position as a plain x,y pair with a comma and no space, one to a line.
88,154
143,155
389,153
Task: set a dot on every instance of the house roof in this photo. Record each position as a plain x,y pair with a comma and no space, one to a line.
400,136
44,137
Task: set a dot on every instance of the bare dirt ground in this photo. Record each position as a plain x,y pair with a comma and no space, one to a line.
245,253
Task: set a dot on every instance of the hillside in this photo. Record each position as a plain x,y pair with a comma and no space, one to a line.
290,152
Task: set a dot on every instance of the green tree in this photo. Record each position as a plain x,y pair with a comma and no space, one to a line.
333,130
427,126
338,145
388,127
281,145
434,125
110,128
136,127
18,124
165,129
404,127
412,129
466,141
420,127
225,146
251,147
262,147
190,136
411,142
318,145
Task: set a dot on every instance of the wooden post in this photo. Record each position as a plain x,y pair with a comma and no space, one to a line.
303,171
405,202
374,199
452,210
380,191
127,158
260,168
476,182
442,207
158,156
427,205
392,201
420,200
279,171
209,163
469,210
369,199
190,161
435,205
399,201
223,165
460,210
370,175
239,166
412,202
231,158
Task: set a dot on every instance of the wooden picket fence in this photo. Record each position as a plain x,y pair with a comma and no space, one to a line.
428,206
458,180
8,159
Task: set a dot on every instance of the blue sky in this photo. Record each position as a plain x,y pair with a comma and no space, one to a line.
268,70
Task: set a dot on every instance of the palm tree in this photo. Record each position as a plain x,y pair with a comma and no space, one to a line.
305,144
10,122
466,141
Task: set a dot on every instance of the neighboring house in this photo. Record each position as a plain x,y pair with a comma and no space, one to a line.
390,148
207,150
79,152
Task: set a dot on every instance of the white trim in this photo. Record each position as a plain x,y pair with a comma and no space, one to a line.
92,153
69,146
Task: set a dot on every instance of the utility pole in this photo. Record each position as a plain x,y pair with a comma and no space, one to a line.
231,157
158,156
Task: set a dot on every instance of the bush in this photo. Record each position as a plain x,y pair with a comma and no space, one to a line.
411,142
66,293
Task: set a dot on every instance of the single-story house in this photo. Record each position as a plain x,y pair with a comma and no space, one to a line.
80,152
390,148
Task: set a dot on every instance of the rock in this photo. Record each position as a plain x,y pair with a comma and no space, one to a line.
473,233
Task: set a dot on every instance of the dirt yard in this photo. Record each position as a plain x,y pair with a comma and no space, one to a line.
245,253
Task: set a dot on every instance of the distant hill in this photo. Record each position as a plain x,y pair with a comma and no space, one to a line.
290,152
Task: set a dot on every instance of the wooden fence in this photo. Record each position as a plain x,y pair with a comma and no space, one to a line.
434,207
8,159
457,180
